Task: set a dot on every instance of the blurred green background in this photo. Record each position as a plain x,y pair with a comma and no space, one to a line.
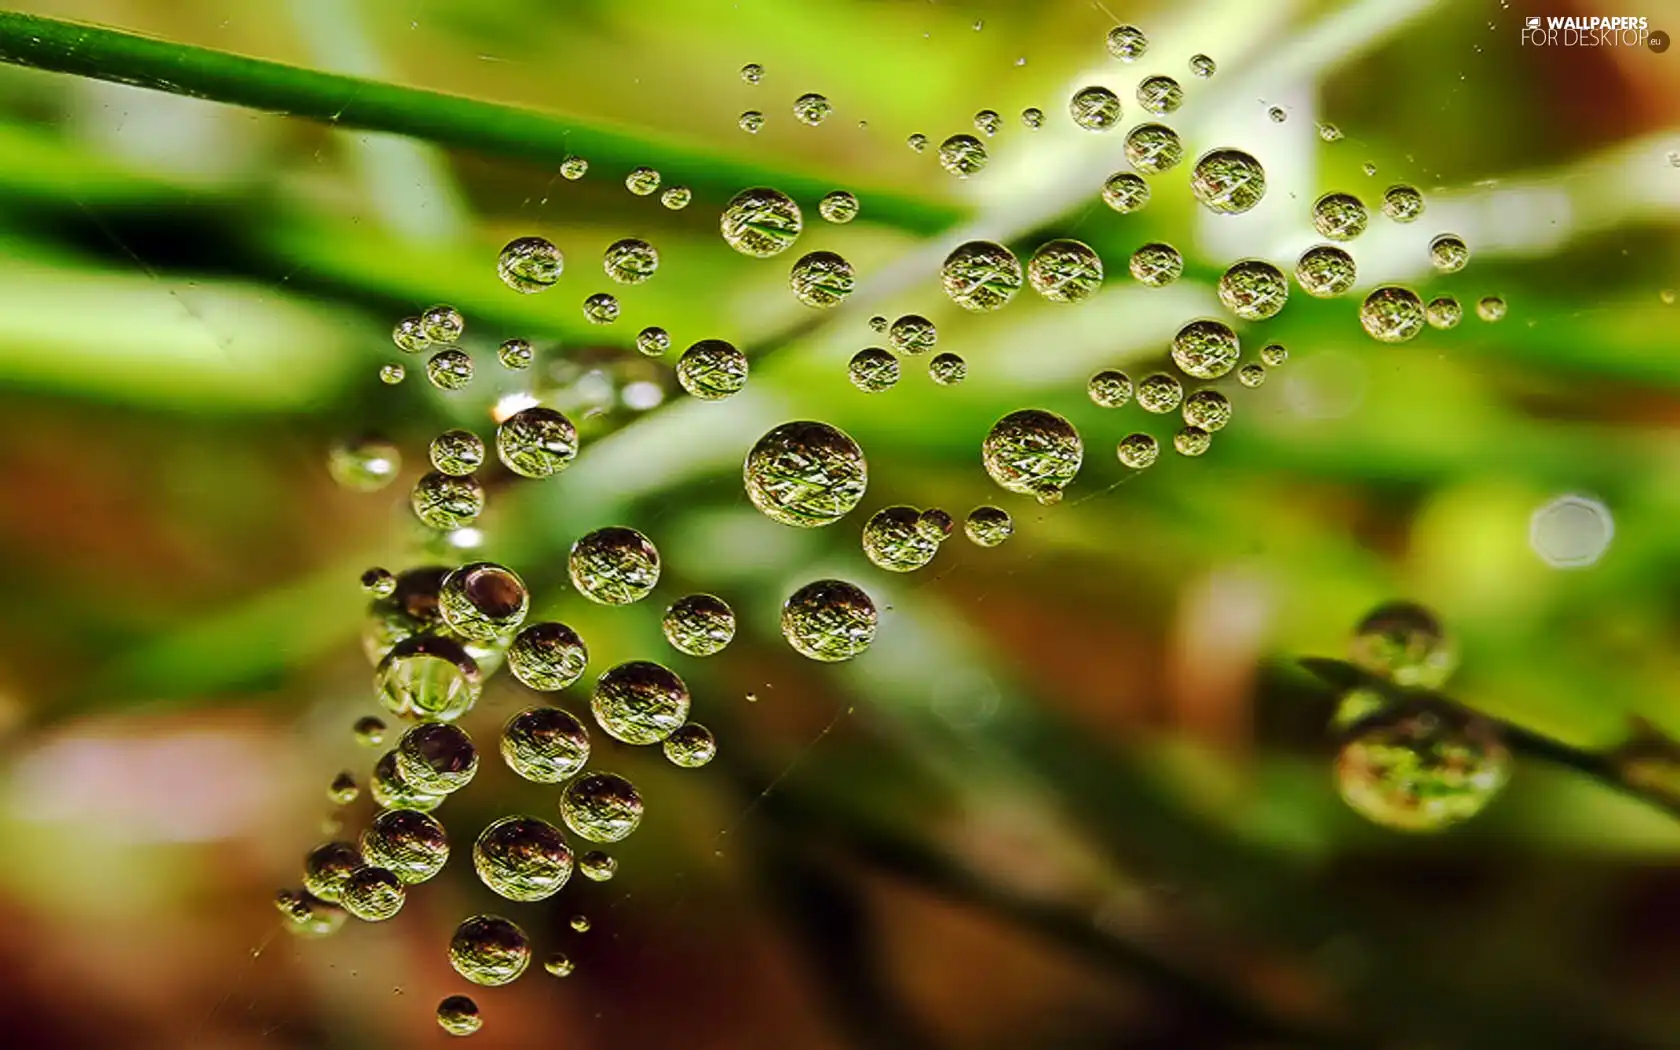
1076,795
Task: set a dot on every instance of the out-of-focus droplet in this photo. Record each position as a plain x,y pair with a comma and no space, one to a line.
1490,308
515,354
1404,642
1421,769
369,731
1568,532
365,464
343,790
378,582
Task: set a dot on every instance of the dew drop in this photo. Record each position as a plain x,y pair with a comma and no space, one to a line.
1329,133
1032,117
457,452
450,369
559,964
1206,349
988,526
988,122
917,142
1402,203
1339,216
442,324
1032,452
1153,148
699,625
1157,265
483,601
1202,66
522,858
601,308
1192,441
893,540
392,374
947,369
1207,410
1125,192
1160,94
640,702
372,894
428,676
446,503
1095,108
1448,253
761,222
458,1015
327,869
1325,271
489,950
437,758
530,264
1421,769
912,334
642,181
536,442
614,566
1109,388
1127,43
690,746
822,280
601,807
1138,451
981,275
962,155
676,198
1443,312
752,72
597,866
1159,393
391,791
1254,290
1404,642
515,354
343,790
806,474
545,745
1491,308
712,370
369,731
630,261
829,620
1228,181
1278,114
378,582
838,206
574,168
873,370
1065,271
1392,314
409,844
751,121
1252,375
811,109
410,335
580,923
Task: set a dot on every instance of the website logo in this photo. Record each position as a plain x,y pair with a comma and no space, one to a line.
1592,31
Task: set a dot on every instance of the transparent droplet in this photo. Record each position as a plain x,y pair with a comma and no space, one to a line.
1329,133
1159,393
641,181
1325,271
829,620
530,264
614,566
409,844
873,370
838,206
601,807
822,279
580,923
1065,271
483,600
1404,642
1340,216
988,122
522,858
1392,314
1192,441
1568,532
1369,169
913,334
1402,203
447,503
443,324
751,121
1490,308
1202,66
428,676
878,323
558,964
489,950
691,746
981,275
947,369
676,198
365,464
1278,114
1157,265
1254,290
410,335
1138,451
378,582
372,894
640,702
305,915
988,526
457,452
1095,108
811,109
369,731
1252,375
1127,43
1125,192
1153,148
515,354
1207,410
574,168
450,369
437,758
343,790
1443,312
1272,355
761,222
545,744
1032,452
392,374
1448,253
962,155
1160,94
893,540
1109,388
935,524
391,791
653,341
1228,181
806,474
597,866
1206,349
917,142
1032,117
699,624
458,1015
327,869
536,442
630,260
1421,769
601,308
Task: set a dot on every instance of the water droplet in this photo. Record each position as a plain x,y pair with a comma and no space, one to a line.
1228,181
873,370
1448,253
1278,114
458,1015
653,341
1202,66
515,354
1095,108
829,620
1339,216
893,540
307,916
761,222
822,280
712,370
812,109
917,142
410,335
1065,271
962,155
545,744
1127,43
327,869
699,624
1125,192
559,965
913,334
947,369
443,324
640,702
574,168
447,503
596,866
601,807
1404,642
1153,148
1667,296
378,582
437,758
751,121
450,369
343,790
981,275
1206,349
1325,271
1032,452
1402,203
806,474
1443,312
752,72
988,122
630,261
1369,168
878,323
366,464
393,374
409,844
691,746
614,566
988,526
530,264
1207,410
428,676
601,308
536,442
483,601
1272,355
1138,451
935,524
1329,133
1392,314
1157,265
676,198
1418,769
489,950
1491,308
457,452
1032,117
1160,94
1254,290
838,206
1109,388
1569,532
1252,375
522,858
641,181
1159,393
369,731
1192,441
372,894
580,923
